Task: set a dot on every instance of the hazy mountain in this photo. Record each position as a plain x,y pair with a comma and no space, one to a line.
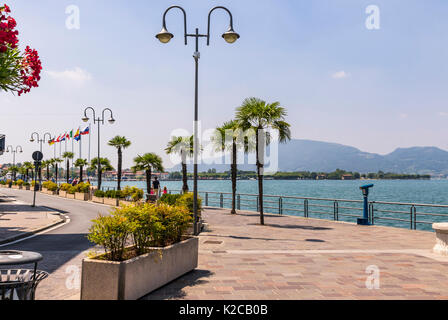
307,155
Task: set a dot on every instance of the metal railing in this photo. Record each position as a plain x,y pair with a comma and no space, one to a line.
415,216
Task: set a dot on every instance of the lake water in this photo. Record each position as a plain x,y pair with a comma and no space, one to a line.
405,191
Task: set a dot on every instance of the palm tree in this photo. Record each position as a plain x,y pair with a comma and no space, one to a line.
120,143
47,164
105,166
14,170
81,163
184,147
28,166
258,115
68,156
55,163
148,162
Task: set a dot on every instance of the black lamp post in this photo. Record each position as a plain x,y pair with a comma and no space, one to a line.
40,141
99,121
14,151
164,36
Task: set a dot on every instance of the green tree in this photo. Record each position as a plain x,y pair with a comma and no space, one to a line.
105,166
68,156
56,162
46,164
148,162
28,166
182,146
120,143
258,115
81,163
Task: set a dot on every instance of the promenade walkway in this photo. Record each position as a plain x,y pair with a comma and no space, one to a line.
299,258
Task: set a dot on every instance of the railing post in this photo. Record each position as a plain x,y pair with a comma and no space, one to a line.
305,208
336,210
221,200
280,205
411,217
414,209
258,205
371,213
206,199
238,202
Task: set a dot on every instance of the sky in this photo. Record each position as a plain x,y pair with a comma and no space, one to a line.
374,89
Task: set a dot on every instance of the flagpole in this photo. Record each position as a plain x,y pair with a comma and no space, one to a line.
89,140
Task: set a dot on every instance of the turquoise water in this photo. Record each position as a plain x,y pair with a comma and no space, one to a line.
404,191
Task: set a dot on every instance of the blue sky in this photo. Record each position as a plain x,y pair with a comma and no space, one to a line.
373,89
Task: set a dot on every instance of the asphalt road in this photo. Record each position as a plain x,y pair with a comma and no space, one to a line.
65,244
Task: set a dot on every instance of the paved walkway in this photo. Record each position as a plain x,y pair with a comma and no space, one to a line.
18,219
298,258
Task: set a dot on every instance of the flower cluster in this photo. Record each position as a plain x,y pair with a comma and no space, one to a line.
8,36
20,72
30,71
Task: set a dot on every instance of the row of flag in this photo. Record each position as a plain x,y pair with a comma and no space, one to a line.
68,136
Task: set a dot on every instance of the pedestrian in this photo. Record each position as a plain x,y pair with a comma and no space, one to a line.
156,186
165,190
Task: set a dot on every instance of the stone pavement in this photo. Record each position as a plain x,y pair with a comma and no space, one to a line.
18,220
299,258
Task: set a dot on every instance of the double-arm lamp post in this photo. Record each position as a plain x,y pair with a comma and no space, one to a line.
99,121
14,151
164,36
36,137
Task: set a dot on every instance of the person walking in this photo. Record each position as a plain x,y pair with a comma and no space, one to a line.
156,186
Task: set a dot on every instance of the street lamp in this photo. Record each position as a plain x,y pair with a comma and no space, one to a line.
165,36
36,137
99,121
14,151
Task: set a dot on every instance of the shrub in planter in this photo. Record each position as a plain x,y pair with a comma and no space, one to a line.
186,200
20,182
83,187
65,187
170,198
27,185
132,193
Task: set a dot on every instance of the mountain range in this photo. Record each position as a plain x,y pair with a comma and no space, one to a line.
318,156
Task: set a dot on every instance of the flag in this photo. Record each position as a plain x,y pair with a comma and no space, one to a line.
51,142
71,134
67,136
86,131
63,137
58,139
77,135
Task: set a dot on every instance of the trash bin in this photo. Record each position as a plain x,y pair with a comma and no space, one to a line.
20,284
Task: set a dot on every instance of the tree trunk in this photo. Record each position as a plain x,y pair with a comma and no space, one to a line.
184,174
260,179
100,173
27,175
120,159
148,181
48,173
56,173
81,173
68,170
233,169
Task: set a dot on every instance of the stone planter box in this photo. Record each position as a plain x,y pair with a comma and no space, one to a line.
63,194
27,187
97,200
111,202
45,190
51,193
15,187
81,196
134,278
70,196
441,246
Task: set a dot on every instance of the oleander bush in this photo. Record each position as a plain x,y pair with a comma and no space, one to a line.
99,194
50,185
143,225
82,187
9,181
113,194
186,200
72,190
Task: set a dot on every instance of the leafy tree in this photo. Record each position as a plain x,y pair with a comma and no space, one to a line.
28,166
56,162
46,164
182,146
259,115
120,143
148,162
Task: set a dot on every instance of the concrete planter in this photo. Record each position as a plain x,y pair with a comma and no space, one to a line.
81,196
70,196
441,246
51,193
63,194
27,187
134,278
128,203
15,187
111,202
44,190
97,200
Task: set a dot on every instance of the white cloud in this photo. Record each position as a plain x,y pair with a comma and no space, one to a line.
340,75
77,75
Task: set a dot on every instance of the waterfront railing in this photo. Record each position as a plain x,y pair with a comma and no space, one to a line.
415,216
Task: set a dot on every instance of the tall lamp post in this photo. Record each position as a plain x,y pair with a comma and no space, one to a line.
36,137
164,36
99,121
14,151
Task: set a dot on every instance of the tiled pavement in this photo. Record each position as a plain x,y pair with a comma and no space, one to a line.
19,219
298,258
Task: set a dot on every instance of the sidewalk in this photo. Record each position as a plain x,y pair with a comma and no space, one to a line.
300,258
19,220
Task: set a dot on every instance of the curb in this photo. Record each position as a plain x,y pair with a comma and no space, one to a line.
63,220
